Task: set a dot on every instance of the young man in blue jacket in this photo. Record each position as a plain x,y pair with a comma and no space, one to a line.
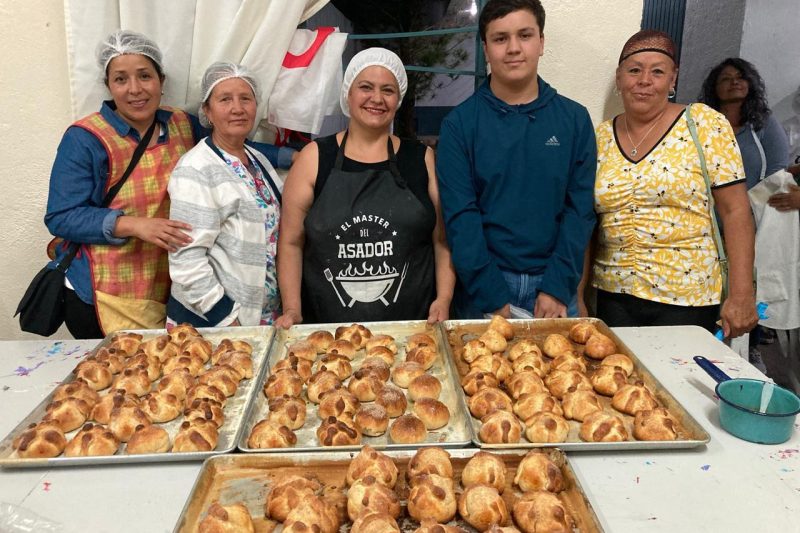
516,166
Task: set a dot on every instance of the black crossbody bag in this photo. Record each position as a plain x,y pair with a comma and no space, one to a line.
41,309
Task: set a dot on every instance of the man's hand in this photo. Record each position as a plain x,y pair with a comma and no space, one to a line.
786,201
548,307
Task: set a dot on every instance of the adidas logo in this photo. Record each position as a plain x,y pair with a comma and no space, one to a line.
552,141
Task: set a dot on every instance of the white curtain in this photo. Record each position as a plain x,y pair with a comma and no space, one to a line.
192,34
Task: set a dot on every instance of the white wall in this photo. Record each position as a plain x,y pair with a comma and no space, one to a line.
770,41
582,41
36,110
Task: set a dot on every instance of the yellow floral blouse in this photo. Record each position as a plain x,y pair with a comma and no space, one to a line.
655,234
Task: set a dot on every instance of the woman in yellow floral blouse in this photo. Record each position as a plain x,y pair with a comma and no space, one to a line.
655,261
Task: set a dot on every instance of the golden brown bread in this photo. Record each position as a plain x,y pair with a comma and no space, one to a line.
499,324
368,494
202,390
531,361
284,382
114,358
546,427
433,413
474,349
223,377
338,364
148,439
560,381
364,385
569,361
69,413
528,405
160,347
321,382
481,506
524,382
343,347
355,333
382,341
500,427
603,427
405,372
286,493
197,346
370,462
372,420
377,366
161,406
542,511
383,353
419,339
207,410
232,518
39,441
92,440
494,340
371,522
655,424
126,342
320,340
432,497
633,397
338,403
432,460
270,434
150,364
581,332
181,332
95,373
408,429
537,471
496,364
599,346
295,364
424,386
620,360
303,350
288,411
177,383
312,511
489,399
392,399
193,363
240,361
125,418
484,468
607,380
476,380
556,344
101,412
578,404
423,355
430,526
77,389
197,435
521,347
336,432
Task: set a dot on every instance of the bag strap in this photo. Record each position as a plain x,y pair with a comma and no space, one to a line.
761,153
714,226
112,192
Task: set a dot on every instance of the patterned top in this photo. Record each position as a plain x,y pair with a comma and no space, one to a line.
255,181
655,234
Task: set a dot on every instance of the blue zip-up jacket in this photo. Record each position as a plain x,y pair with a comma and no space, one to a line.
77,188
517,190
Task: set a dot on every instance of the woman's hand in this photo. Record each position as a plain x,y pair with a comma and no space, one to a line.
738,315
439,310
163,232
548,307
288,319
786,201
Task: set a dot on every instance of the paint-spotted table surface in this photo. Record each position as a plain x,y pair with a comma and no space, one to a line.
729,485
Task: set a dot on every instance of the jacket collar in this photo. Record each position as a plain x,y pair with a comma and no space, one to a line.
108,110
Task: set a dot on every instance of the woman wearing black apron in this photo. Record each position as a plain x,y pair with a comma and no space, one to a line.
361,235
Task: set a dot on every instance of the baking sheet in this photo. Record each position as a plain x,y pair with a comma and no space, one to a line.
455,434
246,478
690,432
260,337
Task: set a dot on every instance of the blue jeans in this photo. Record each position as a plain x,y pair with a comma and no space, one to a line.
524,289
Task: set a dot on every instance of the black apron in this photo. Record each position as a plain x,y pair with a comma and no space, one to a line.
368,253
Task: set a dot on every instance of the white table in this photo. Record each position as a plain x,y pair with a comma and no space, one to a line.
728,486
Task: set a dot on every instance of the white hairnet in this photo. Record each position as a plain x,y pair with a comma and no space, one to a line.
127,42
368,58
219,72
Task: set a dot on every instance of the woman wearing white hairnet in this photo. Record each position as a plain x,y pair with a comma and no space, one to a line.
230,195
362,236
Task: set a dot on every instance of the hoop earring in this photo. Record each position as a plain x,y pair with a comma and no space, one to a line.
671,93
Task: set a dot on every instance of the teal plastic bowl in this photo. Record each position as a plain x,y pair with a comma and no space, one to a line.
739,414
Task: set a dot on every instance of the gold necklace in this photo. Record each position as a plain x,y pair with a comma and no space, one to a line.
634,150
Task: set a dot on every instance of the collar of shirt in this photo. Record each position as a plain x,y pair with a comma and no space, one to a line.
108,110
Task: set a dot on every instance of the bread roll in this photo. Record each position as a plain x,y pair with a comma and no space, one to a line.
531,361
240,361
569,361
222,377
540,511
581,332
392,399
524,382
432,497
481,506
522,347
603,427
607,380
284,382
578,404
537,471
320,340
433,413
560,381
377,366
494,340
336,432
201,390
633,397
620,360
501,325
124,420
288,411
546,427
101,412
205,409
425,356
430,526
301,366
496,364
382,341
302,350
39,441
371,522
424,386
192,363
476,380
487,400
181,332
599,346
197,346
197,435
77,389
148,439
313,511
115,359
485,468
357,334
229,518
405,372
370,462
555,345
338,364
149,364
343,347
474,349
177,383
270,434
97,374
286,493
383,353
91,441
500,427
161,406
655,424
160,347
419,339
432,460
528,405
338,403
372,420
368,494
320,383
364,385
126,342
69,413
408,429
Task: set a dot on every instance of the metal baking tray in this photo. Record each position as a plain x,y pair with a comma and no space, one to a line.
260,337
690,433
456,434
230,479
